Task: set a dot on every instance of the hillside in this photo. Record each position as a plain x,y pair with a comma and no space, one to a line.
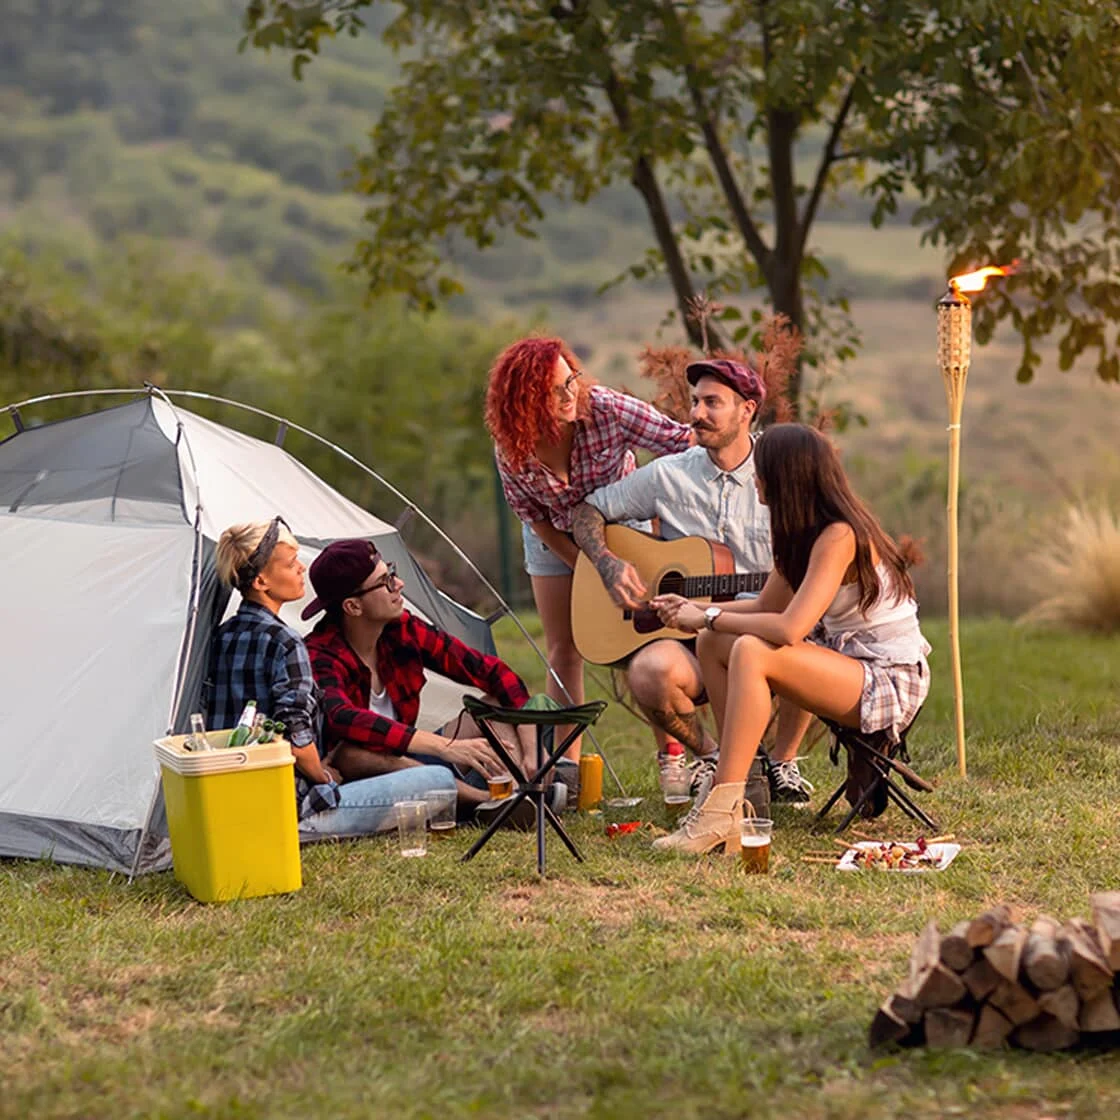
141,117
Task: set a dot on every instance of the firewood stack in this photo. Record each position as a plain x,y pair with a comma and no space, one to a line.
991,981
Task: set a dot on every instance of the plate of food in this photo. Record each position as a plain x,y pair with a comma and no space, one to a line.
897,855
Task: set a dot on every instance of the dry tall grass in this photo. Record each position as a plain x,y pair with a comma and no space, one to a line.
1079,570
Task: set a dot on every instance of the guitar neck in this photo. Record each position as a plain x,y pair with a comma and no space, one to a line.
721,586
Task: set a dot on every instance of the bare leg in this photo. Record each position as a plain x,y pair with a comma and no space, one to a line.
793,722
814,679
553,596
664,678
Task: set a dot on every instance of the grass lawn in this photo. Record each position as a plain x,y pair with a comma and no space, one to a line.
630,985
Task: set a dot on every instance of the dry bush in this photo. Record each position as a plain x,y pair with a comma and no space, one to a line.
1077,571
781,345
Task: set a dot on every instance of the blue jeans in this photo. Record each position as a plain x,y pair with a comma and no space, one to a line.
367,805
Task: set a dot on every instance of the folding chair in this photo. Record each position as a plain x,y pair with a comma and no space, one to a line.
548,754
872,761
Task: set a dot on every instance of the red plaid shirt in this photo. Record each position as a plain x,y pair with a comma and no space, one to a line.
406,648
600,454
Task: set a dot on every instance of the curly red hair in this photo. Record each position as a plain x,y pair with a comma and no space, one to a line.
519,399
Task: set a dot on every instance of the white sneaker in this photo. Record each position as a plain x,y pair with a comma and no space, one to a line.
787,786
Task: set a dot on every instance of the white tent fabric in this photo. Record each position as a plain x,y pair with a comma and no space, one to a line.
268,481
100,566
88,675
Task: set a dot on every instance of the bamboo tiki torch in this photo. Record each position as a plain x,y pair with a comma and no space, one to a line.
954,353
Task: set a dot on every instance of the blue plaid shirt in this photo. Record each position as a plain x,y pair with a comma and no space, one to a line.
257,656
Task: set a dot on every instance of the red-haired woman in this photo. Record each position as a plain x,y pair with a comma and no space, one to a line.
557,437
835,629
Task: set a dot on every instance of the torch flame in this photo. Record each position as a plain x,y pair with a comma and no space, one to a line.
975,281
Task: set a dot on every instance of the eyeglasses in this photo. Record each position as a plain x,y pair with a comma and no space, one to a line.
386,580
569,388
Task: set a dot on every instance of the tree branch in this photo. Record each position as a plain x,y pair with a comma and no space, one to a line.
716,151
645,181
828,158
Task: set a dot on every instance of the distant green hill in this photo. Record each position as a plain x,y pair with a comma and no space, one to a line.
140,116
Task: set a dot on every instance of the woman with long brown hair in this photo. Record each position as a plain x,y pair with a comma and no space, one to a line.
557,437
834,630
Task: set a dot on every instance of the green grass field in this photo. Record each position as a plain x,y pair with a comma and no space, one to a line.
630,985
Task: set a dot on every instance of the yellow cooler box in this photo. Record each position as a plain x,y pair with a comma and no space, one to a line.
231,815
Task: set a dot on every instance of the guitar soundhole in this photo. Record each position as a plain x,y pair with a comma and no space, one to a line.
671,583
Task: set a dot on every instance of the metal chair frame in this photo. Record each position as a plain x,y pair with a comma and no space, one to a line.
886,759
545,720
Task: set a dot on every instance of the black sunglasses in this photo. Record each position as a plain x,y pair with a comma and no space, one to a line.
258,559
385,581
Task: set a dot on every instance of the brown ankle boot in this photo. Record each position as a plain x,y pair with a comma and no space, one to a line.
712,824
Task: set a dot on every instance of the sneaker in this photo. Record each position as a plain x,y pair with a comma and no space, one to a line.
787,785
698,770
756,790
523,818
567,775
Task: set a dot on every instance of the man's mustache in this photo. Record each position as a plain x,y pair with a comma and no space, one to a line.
698,427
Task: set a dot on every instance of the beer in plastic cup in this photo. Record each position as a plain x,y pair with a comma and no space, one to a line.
754,844
501,786
441,811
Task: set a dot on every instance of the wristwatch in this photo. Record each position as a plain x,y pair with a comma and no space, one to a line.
710,616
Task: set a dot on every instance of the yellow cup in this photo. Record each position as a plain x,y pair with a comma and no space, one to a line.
590,780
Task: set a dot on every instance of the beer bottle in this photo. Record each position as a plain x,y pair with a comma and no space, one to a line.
244,726
267,732
196,740
279,727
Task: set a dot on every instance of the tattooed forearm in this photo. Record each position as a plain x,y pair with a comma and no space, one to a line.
684,728
588,528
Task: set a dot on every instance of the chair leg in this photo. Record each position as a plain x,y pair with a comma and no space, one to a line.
561,832
836,795
908,806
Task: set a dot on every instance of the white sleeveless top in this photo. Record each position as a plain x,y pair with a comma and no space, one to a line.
887,632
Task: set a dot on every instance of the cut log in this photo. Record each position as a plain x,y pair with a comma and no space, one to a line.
1045,1033
956,953
1006,951
903,1005
926,952
938,987
992,1029
887,1028
1016,1003
1088,968
1098,1013
980,978
1062,1003
1106,918
986,928
948,1027
1046,955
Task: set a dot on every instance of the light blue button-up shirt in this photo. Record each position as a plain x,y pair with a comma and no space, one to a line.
694,498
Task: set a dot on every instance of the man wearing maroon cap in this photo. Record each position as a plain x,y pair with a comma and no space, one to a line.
707,491
369,657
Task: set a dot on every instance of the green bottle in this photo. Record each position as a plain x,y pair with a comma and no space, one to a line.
244,726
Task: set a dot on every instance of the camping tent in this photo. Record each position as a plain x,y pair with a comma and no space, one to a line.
108,598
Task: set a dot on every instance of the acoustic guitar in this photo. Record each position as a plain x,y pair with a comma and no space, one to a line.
690,566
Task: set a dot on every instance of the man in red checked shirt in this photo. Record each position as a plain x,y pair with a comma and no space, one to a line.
369,654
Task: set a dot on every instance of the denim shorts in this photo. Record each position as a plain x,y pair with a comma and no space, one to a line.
540,560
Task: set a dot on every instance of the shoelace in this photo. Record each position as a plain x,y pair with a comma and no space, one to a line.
787,775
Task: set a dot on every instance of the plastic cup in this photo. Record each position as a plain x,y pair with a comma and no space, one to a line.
501,786
754,844
675,791
412,819
441,811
